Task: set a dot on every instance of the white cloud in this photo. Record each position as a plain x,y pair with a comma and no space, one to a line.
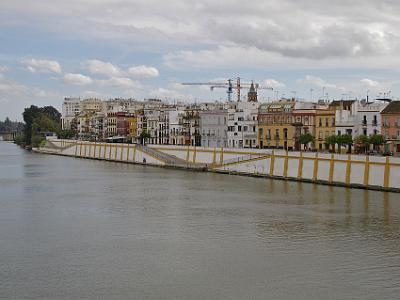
9,87
42,65
369,83
92,94
77,79
120,82
163,93
275,84
99,67
319,82
144,71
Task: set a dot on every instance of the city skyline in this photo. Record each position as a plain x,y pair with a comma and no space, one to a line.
54,49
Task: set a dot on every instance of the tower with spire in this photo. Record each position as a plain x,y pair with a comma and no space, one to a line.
252,94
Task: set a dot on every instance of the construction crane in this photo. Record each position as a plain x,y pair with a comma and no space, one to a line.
229,85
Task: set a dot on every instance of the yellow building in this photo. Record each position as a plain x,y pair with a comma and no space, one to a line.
111,124
275,125
132,123
324,127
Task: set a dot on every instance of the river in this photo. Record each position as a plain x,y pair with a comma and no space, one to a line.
74,228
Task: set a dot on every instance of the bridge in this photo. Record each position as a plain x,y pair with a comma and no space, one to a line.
7,136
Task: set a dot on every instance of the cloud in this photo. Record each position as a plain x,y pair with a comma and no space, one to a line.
275,84
4,69
163,93
9,87
99,67
92,94
120,82
369,83
319,82
77,79
317,31
144,71
42,65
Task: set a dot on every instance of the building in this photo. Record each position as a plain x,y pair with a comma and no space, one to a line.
391,127
275,123
214,128
111,124
191,126
345,116
70,109
243,125
175,118
304,117
324,127
132,125
90,124
368,119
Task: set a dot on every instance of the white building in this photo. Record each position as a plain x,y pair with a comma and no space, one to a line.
214,128
368,120
70,109
357,118
243,125
175,118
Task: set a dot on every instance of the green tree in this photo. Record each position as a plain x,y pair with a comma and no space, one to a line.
344,140
41,125
67,134
305,139
33,113
362,143
331,141
143,136
377,140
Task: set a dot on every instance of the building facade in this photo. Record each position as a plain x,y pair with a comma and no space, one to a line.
214,128
243,125
391,127
275,123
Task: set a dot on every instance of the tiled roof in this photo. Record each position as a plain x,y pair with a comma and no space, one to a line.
392,108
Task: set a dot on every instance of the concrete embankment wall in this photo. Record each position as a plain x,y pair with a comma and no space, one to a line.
348,170
351,170
104,151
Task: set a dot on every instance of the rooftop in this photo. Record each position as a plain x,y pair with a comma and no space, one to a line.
392,108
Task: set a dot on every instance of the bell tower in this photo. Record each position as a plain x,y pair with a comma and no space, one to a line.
252,94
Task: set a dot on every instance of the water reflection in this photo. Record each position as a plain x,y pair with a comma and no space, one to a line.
72,228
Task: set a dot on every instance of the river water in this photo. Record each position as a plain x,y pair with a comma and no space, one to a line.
75,228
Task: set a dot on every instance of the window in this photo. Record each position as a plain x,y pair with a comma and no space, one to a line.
239,128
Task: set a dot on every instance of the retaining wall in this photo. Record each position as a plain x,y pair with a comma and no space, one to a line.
373,172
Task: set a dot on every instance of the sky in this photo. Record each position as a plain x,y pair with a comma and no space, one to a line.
51,49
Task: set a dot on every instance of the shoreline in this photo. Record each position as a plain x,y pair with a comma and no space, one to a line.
152,161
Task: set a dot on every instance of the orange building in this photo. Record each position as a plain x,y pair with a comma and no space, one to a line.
391,126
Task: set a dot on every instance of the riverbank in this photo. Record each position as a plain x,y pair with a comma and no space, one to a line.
354,171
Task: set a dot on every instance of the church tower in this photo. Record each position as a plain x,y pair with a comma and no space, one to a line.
252,94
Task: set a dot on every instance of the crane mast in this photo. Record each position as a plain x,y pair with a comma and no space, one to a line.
230,86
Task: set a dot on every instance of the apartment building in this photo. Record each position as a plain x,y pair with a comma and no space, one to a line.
214,128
